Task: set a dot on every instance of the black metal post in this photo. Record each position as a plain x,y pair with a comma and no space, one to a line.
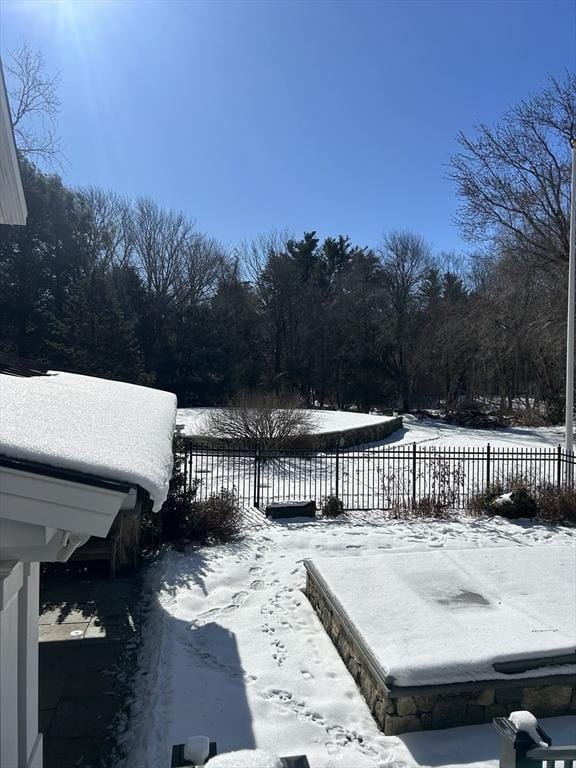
413,474
516,746
257,478
337,492
488,479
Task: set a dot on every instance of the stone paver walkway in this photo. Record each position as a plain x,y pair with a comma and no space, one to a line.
86,634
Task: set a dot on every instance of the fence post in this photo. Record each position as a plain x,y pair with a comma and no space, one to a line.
488,478
413,474
559,466
257,478
188,460
337,472
515,746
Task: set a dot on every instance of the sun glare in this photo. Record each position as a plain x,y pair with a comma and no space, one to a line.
65,17
77,16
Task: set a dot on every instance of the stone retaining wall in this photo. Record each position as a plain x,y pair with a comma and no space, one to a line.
396,713
345,438
320,441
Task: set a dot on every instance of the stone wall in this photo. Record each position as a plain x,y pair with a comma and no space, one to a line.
344,438
449,706
321,441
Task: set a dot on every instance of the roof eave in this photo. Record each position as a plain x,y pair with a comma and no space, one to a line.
60,473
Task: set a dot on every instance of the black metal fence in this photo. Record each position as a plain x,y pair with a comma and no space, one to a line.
385,477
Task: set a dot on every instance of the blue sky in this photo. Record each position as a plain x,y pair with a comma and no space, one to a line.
251,116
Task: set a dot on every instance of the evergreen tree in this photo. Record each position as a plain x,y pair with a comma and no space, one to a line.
92,336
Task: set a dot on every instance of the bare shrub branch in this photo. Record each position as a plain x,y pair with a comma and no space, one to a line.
263,420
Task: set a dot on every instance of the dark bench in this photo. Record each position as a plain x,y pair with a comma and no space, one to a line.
281,509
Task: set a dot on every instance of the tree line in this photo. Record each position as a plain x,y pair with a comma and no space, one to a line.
103,285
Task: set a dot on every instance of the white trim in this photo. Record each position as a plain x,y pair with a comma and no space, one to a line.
11,580
28,609
35,757
20,742
12,202
56,503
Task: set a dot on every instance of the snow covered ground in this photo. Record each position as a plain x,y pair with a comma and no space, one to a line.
414,430
439,434
194,420
232,649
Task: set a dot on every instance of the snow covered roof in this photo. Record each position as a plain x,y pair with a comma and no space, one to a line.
89,425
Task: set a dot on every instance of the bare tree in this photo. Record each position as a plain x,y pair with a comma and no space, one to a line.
202,265
161,240
514,178
34,105
253,255
405,259
109,230
263,420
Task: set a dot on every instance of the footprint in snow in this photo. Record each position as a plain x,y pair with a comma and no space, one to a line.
339,736
204,618
203,655
279,654
239,598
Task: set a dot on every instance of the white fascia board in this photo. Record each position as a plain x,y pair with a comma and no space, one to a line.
57,503
12,202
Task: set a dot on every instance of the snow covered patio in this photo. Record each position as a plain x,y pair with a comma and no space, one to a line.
233,649
444,638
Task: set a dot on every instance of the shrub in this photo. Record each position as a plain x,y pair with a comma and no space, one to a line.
181,496
332,506
530,418
262,420
215,520
554,406
515,504
556,505
481,503
429,506
511,501
472,415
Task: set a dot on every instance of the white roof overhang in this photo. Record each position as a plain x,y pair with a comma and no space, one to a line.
45,517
